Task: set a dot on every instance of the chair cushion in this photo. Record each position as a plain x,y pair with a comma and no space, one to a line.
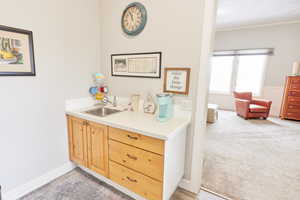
258,109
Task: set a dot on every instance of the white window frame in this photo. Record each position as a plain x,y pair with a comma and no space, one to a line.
235,65
230,89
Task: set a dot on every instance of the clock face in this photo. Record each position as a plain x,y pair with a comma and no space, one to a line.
134,19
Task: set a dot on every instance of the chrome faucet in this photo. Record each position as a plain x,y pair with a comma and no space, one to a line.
106,100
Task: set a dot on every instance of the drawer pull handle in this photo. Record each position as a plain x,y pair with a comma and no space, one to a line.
131,157
132,137
132,180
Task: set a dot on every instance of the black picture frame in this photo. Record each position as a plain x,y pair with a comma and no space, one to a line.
31,52
138,54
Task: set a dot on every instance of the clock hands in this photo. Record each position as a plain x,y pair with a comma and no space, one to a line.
131,16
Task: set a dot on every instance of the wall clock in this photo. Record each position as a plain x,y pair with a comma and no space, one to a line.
134,19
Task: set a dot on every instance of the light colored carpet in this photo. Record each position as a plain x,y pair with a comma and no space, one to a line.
253,159
76,185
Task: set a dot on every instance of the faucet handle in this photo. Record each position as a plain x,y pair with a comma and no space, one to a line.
115,101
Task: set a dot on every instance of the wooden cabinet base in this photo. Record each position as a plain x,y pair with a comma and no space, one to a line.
97,143
77,141
88,144
145,162
148,167
136,182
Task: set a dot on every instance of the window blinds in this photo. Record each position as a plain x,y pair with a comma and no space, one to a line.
245,52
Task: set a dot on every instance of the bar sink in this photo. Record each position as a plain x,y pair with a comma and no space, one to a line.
102,111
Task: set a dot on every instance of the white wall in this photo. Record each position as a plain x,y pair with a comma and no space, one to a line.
170,29
33,138
174,27
283,38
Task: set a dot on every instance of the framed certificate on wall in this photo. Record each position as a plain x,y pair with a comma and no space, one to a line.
177,80
143,65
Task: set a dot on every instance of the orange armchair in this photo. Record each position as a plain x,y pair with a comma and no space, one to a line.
249,108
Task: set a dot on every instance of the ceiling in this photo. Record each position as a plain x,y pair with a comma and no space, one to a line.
238,13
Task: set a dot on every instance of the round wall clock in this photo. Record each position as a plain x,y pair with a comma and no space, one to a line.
134,19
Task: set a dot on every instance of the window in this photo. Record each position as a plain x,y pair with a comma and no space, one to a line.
221,74
250,73
238,70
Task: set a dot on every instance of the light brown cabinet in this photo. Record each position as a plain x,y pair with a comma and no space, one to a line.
132,160
145,162
77,140
88,144
136,182
137,162
97,144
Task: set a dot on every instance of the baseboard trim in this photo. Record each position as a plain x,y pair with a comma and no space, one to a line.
216,194
30,186
186,185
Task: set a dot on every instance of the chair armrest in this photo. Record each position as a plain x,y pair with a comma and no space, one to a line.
242,107
262,102
242,102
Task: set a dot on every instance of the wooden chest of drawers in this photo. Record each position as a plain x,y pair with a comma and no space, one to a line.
136,162
290,107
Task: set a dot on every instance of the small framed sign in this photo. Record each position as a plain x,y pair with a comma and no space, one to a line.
177,80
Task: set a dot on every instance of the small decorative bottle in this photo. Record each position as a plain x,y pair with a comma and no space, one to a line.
149,104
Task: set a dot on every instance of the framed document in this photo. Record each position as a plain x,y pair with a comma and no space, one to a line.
177,80
145,65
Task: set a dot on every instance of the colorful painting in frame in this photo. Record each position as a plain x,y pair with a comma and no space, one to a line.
16,52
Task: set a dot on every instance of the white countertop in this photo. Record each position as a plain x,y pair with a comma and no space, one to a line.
139,122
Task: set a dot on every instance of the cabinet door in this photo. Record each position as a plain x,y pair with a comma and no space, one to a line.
97,144
77,140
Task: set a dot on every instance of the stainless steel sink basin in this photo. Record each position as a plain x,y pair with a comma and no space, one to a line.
102,111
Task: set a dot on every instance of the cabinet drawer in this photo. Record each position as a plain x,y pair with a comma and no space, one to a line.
294,99
145,162
137,140
291,110
294,86
295,80
136,182
294,106
294,93
291,115
295,103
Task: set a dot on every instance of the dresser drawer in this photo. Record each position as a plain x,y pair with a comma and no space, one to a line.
295,103
295,80
292,115
294,99
145,162
292,106
137,140
295,87
294,93
292,110
136,182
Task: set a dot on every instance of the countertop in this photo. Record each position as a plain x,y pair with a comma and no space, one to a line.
139,122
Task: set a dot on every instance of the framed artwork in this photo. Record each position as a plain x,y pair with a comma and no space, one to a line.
143,65
177,80
16,52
